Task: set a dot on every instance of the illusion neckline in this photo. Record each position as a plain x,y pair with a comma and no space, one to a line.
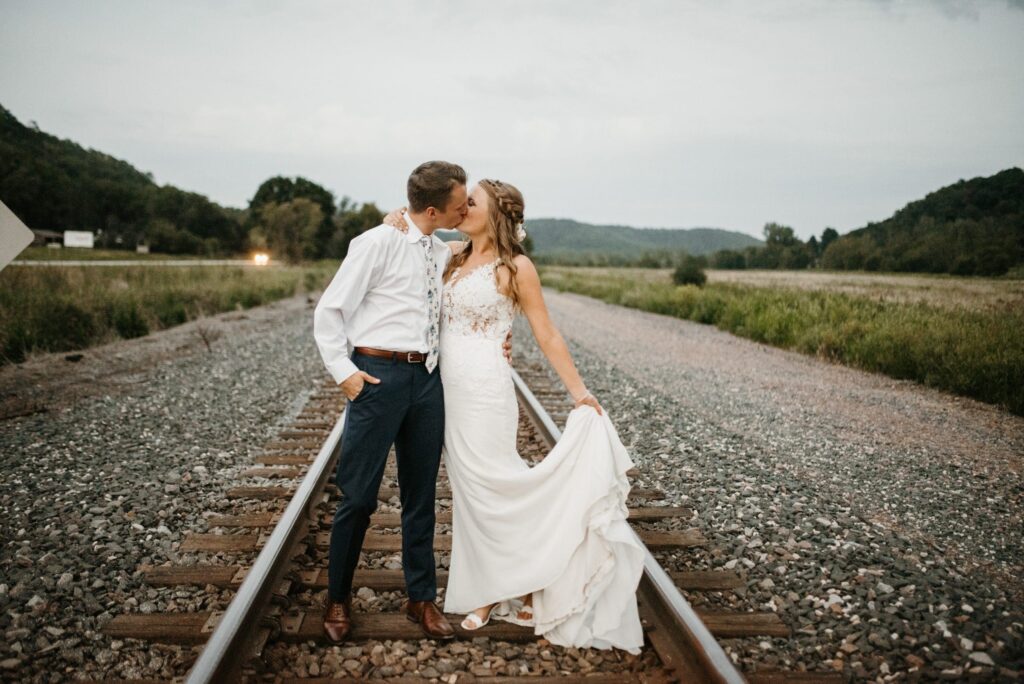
456,278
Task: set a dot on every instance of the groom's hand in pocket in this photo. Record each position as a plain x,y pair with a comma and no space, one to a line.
506,347
352,386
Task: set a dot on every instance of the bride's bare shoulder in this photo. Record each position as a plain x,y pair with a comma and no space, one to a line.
525,266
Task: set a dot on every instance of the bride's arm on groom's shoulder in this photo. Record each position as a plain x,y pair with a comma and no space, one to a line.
549,339
396,220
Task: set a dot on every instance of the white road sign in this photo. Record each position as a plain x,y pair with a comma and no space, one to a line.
78,238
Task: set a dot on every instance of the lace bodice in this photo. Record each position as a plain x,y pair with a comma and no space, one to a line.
472,306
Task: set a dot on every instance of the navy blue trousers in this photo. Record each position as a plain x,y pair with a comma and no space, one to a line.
406,409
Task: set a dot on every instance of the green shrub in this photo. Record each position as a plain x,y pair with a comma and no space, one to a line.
170,310
15,342
66,326
127,320
689,272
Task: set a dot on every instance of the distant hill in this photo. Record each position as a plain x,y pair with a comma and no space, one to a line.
553,236
56,184
973,227
570,240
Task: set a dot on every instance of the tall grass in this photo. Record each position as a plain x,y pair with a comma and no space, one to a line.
63,308
977,353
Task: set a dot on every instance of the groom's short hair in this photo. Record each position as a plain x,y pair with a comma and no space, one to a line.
431,184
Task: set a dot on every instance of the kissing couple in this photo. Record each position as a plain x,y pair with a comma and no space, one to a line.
414,330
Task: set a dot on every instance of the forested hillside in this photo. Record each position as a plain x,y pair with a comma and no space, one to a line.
55,184
973,227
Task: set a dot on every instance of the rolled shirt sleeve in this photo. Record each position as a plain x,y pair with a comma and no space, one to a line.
346,291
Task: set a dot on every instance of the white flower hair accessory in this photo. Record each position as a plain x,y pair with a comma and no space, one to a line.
520,232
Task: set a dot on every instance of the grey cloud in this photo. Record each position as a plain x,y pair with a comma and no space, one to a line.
731,114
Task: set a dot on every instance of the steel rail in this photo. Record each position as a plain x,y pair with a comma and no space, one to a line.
681,639
229,646
689,648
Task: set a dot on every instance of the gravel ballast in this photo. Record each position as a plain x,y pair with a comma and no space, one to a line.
881,519
111,473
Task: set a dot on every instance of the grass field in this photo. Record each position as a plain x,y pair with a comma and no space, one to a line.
958,334
937,290
963,335
62,308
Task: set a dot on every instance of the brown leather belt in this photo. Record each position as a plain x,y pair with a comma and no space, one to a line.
408,357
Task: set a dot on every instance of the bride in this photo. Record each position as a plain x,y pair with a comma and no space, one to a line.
548,545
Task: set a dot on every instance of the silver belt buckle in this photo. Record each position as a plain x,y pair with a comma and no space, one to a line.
408,357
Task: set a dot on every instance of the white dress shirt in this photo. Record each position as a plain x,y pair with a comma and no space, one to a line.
378,297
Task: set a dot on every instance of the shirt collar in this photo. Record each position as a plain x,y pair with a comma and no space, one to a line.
414,233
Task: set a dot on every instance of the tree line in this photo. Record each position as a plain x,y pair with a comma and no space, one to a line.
782,250
55,184
972,227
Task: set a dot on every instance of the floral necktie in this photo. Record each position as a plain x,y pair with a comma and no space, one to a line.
433,304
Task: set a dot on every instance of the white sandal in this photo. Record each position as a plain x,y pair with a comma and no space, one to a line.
473,622
521,609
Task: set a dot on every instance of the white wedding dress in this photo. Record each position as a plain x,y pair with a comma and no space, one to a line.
557,529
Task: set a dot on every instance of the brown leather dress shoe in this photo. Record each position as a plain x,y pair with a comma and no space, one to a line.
431,620
338,620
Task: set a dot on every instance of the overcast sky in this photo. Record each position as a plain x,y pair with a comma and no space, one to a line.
669,114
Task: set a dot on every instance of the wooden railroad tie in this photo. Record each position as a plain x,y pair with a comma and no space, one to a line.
293,444
286,473
300,626
231,576
303,433
379,542
389,519
314,421
284,459
788,677
266,493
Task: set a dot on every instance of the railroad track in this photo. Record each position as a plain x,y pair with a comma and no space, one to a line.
278,594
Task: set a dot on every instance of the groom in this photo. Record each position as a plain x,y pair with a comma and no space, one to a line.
377,328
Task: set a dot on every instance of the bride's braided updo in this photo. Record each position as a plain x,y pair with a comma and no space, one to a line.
504,218
507,199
